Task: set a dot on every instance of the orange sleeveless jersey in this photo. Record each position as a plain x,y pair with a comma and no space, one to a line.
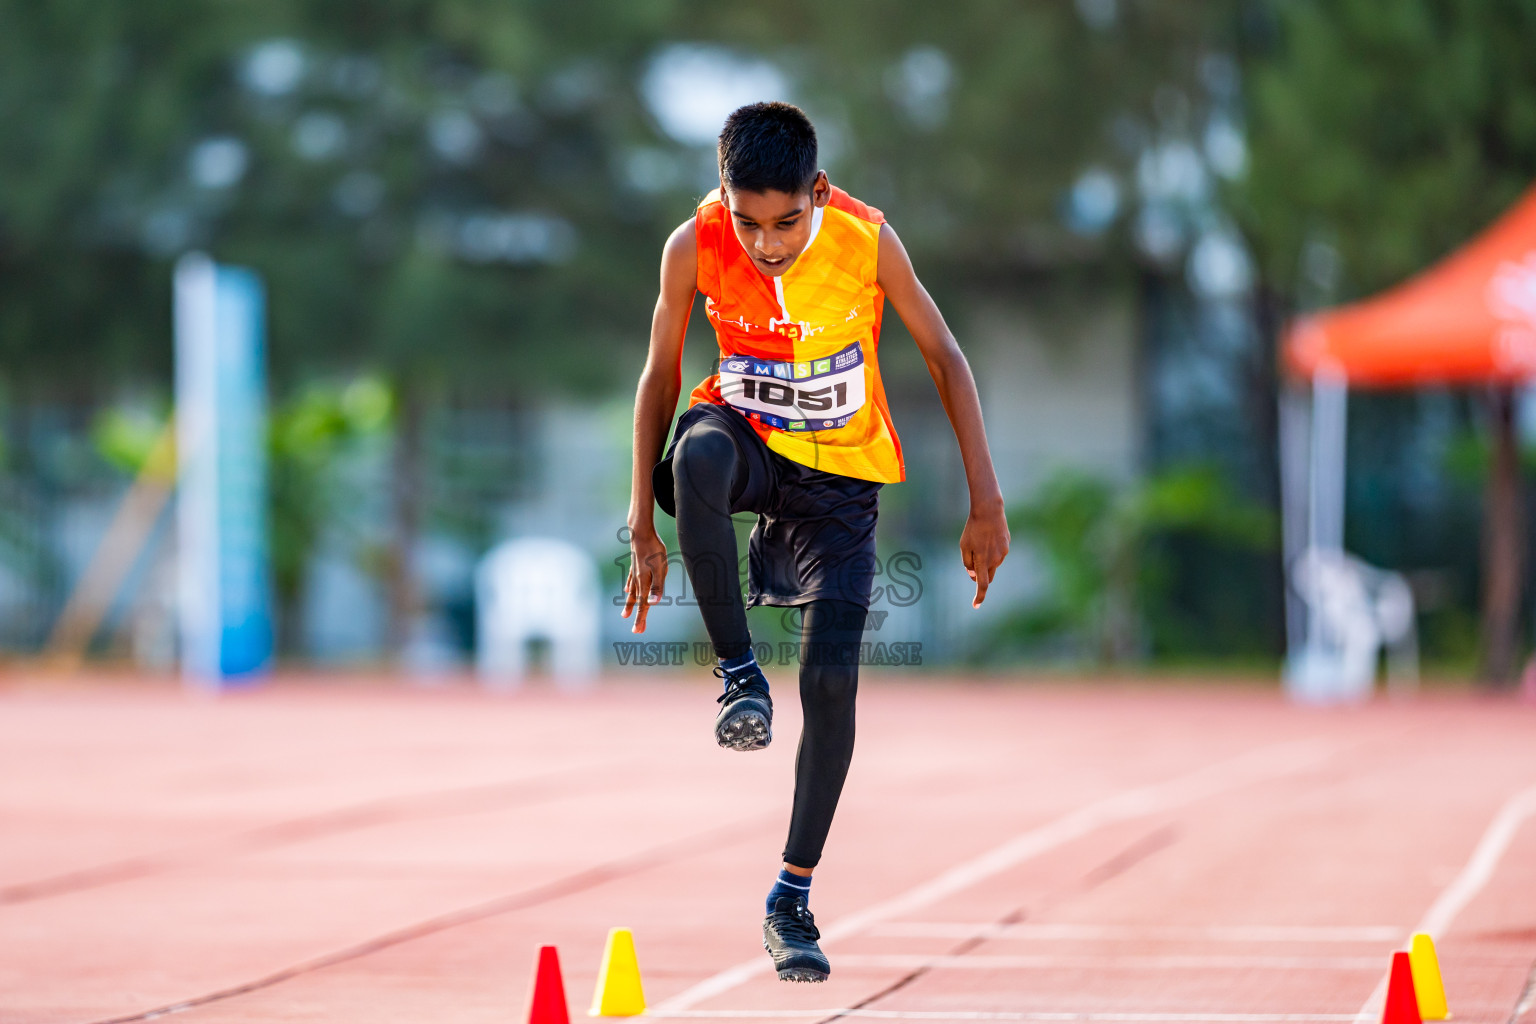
798,352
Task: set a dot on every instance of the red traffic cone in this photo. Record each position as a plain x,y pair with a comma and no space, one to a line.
546,1004
1402,1004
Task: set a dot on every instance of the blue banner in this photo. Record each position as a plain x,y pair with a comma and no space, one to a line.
223,560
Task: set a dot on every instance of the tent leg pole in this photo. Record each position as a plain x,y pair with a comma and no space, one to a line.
1503,545
1312,669
1295,474
1330,411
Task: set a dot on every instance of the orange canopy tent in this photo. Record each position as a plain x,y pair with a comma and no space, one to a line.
1468,320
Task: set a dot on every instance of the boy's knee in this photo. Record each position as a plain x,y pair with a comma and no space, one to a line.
704,453
829,685
703,468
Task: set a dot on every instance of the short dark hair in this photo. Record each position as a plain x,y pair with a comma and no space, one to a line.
768,147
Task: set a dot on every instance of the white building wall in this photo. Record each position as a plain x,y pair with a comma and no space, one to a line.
1059,389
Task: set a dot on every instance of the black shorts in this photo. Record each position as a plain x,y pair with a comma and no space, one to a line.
815,532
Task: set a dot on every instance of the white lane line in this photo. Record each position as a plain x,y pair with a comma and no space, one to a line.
1464,888
1527,1001
1004,961
1023,1015
1372,933
1140,802
1479,870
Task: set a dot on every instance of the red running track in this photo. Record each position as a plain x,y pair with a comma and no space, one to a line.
1011,851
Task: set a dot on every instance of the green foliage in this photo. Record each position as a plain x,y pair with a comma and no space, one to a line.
124,436
1469,454
134,132
312,436
396,143
1073,522
1197,500
310,440
975,184
1391,129
1107,556
317,424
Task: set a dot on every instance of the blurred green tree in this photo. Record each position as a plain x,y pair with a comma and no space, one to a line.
972,123
1105,553
1384,134
459,188
1389,131
311,436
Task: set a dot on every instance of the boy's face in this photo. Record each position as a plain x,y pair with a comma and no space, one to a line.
775,227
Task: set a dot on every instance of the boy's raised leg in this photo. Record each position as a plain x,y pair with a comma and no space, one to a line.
708,474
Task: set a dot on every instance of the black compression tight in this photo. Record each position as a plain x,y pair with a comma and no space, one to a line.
830,634
709,475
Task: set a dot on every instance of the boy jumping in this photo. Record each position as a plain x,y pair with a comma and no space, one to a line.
794,428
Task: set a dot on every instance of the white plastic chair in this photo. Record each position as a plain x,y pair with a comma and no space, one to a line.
1354,611
531,590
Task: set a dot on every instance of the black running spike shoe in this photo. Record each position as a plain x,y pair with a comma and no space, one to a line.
745,721
789,936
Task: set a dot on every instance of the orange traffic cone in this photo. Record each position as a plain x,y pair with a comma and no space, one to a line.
546,1004
1402,1004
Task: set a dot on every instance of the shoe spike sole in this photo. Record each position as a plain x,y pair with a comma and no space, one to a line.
744,732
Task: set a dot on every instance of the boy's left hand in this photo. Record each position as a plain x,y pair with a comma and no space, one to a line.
983,546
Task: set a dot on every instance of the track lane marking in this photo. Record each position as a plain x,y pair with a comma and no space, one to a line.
1464,888
1109,932
1172,961
1139,802
1065,1016
582,880
378,812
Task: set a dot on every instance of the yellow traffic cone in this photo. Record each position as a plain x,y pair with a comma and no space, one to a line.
618,979
1426,978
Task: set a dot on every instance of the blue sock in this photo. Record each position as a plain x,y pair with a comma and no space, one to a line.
747,664
788,886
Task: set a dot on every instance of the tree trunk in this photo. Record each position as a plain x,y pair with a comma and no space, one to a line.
1270,312
1503,546
406,480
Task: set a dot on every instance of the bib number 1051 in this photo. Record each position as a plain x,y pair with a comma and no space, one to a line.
773,392
815,394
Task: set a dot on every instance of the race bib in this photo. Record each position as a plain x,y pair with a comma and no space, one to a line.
821,394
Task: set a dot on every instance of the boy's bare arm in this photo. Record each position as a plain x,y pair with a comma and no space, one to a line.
984,542
655,401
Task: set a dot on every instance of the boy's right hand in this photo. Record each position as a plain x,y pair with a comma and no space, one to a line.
647,575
